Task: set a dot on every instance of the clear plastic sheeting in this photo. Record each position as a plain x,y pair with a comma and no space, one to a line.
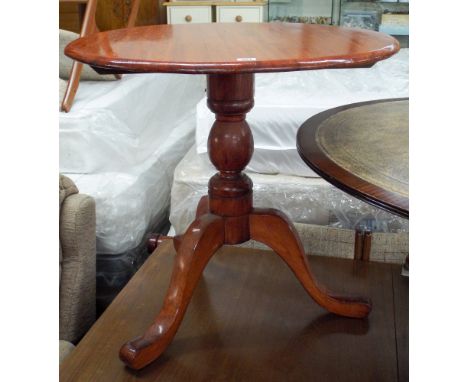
130,201
304,199
283,101
115,125
120,144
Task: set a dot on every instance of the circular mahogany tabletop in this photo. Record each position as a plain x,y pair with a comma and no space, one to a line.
362,149
231,48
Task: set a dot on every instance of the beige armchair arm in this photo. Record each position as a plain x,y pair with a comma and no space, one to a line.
78,264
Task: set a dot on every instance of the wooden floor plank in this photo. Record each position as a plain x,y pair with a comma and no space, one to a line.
249,320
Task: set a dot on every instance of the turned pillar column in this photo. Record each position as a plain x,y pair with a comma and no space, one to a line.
230,148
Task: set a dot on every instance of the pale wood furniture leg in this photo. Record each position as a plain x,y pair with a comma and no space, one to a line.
88,27
133,13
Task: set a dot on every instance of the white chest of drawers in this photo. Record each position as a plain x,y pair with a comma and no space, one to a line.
239,14
187,12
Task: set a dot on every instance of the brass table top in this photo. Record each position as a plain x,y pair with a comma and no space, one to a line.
363,149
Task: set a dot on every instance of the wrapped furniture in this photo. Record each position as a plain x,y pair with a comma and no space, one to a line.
120,144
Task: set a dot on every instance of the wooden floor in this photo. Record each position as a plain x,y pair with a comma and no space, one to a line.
250,320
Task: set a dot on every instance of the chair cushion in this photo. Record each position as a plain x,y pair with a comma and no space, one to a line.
65,63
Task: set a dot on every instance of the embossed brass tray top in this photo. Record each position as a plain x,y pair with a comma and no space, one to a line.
362,149
230,54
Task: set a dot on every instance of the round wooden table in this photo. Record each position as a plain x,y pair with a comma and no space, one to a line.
230,54
362,149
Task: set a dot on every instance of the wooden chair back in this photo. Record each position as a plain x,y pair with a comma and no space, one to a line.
89,26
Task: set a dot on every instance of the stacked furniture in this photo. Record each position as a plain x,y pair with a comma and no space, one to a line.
389,17
310,12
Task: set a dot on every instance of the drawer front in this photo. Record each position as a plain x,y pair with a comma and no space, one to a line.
239,14
188,15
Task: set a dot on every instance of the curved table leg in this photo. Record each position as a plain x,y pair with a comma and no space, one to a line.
203,206
273,228
176,241
202,209
202,239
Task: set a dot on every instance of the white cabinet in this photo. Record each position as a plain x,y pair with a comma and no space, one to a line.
188,14
240,14
192,12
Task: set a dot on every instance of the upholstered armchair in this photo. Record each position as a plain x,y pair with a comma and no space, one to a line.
77,226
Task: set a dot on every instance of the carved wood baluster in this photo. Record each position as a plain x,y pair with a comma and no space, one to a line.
230,148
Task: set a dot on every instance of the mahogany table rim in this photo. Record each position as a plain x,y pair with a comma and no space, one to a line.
105,65
116,67
341,178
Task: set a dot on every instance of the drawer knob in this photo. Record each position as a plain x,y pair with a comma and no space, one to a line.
239,18
188,18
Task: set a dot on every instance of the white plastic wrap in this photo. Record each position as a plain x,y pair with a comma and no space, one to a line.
116,125
283,101
303,199
120,144
129,202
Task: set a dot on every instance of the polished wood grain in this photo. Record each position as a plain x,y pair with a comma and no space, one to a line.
230,148
231,48
156,239
203,206
202,239
273,228
312,153
250,320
